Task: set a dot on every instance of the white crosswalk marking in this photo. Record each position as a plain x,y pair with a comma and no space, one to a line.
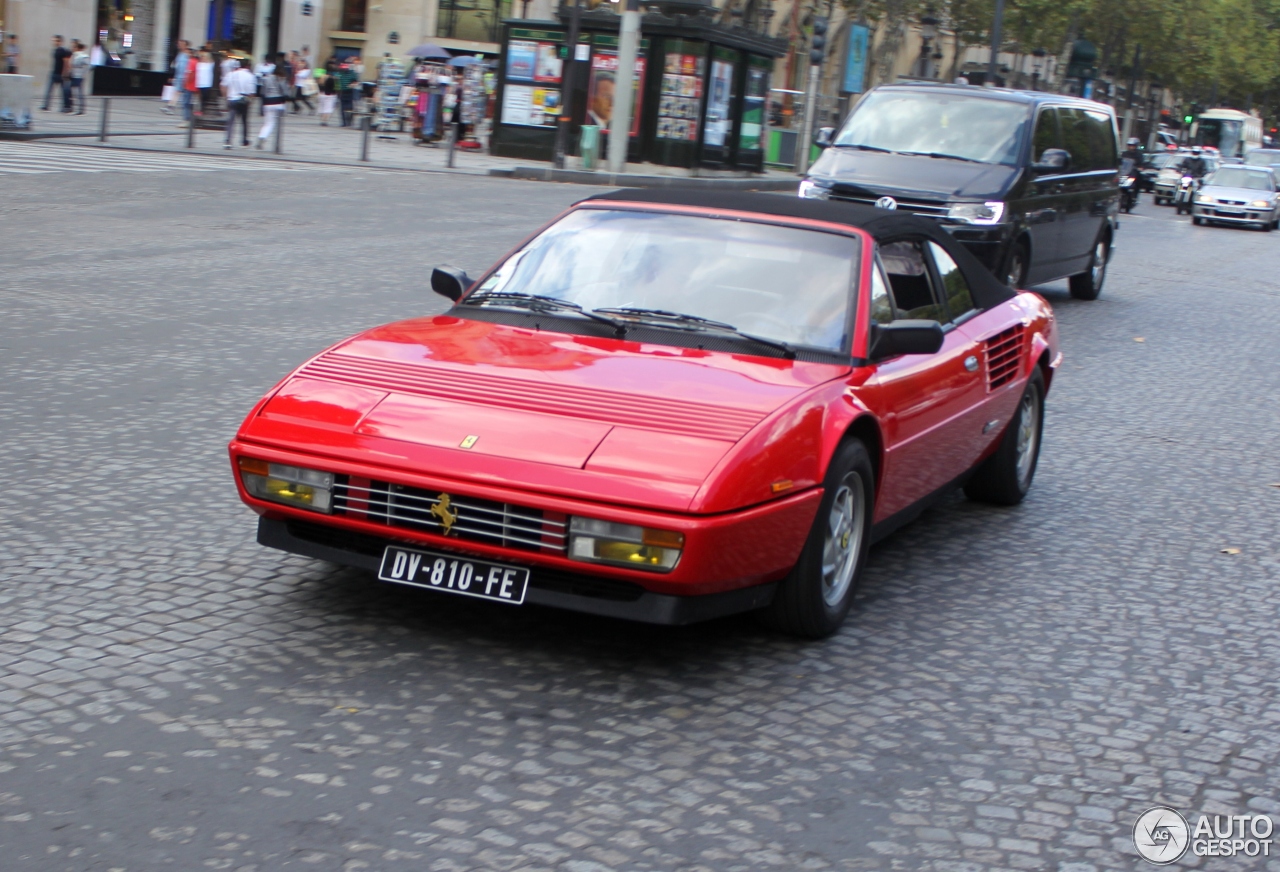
36,158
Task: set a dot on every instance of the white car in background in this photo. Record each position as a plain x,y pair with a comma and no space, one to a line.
1238,194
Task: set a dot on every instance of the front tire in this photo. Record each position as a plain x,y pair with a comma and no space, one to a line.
1088,284
1019,260
1197,220
1005,477
813,600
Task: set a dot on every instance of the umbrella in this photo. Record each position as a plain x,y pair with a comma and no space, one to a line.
428,50
463,61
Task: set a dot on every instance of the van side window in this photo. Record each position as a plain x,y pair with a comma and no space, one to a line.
913,291
954,287
1046,134
1102,139
1090,137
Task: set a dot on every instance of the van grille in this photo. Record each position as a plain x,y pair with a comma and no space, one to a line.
927,208
470,519
1004,351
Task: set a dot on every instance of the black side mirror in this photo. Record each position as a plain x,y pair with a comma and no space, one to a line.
1052,160
905,337
824,137
449,281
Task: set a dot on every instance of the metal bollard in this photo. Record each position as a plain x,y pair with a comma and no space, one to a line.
280,131
191,133
453,139
106,110
364,138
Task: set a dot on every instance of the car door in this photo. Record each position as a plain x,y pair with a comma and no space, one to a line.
1089,189
1040,208
918,399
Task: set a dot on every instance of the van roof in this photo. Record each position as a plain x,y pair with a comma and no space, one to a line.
1006,94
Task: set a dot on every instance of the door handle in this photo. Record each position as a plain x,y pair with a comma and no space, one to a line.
971,363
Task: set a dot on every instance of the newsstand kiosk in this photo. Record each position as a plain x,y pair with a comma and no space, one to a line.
700,87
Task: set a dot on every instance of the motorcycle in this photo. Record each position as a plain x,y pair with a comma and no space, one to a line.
1129,192
1187,187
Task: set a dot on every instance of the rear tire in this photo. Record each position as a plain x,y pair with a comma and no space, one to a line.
1088,284
814,598
1197,220
1005,477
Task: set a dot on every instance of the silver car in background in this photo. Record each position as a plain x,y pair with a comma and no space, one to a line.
1238,194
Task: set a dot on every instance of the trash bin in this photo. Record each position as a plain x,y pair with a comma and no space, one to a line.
589,146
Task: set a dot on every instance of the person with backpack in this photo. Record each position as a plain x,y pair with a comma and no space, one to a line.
238,88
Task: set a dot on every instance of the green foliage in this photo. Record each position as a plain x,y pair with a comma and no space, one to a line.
1194,47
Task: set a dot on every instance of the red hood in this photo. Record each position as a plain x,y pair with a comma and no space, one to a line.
615,420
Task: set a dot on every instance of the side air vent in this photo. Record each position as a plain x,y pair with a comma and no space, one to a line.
1004,353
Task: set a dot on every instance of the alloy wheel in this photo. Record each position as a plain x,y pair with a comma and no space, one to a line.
1028,437
843,541
1099,268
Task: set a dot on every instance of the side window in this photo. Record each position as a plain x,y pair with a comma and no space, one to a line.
881,302
1102,139
1046,134
954,286
1075,139
913,291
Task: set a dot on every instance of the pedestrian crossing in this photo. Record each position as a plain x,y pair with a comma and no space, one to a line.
18,158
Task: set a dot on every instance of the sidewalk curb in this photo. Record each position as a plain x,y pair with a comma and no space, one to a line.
28,135
628,180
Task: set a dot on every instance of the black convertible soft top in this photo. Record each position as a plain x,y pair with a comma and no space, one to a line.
883,225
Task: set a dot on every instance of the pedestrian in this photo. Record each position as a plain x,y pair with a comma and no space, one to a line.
230,64
238,88
275,91
12,54
59,75
347,82
179,69
304,85
190,89
328,97
204,83
261,71
79,71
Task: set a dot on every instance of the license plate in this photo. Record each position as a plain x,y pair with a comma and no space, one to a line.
452,574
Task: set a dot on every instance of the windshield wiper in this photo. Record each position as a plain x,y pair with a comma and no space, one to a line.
942,156
861,147
681,321
542,304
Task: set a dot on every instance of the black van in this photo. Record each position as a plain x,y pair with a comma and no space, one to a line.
1026,180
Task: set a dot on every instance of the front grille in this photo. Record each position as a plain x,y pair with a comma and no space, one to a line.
1004,351
466,518
928,208
543,578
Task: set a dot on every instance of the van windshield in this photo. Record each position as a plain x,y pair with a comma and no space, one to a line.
938,124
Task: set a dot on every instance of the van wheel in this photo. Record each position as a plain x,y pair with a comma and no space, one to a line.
1088,284
813,600
1197,220
1019,260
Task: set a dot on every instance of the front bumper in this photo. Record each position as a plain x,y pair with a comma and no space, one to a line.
562,590
988,243
1237,215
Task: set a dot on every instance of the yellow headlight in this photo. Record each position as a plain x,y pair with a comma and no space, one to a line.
597,541
291,485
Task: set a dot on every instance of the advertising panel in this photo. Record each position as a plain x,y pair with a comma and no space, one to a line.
681,96
718,122
603,85
855,62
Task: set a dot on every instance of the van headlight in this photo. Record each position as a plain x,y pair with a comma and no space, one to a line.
596,541
1260,204
290,485
989,212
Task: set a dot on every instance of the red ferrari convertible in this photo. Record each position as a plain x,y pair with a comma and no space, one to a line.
663,406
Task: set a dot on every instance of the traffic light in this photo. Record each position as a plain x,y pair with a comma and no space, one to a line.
818,44
1187,119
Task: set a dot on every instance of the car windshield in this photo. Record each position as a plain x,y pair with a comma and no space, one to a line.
1239,177
781,283
939,124
1262,158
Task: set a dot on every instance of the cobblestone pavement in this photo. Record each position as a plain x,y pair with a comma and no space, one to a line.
1014,688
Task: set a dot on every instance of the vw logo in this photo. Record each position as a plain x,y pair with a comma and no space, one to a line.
887,203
